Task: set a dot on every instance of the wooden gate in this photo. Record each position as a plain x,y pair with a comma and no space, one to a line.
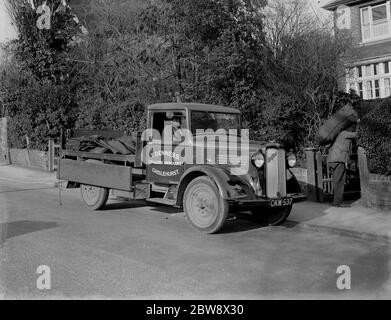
320,186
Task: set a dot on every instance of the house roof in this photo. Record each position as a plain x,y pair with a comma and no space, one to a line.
192,107
333,5
372,51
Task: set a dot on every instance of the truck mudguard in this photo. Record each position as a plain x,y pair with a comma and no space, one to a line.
218,175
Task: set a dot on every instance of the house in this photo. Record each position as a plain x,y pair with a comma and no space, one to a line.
369,24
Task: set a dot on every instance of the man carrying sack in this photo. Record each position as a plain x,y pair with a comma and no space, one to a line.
338,158
339,130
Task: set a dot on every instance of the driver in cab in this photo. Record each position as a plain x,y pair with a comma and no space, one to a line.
176,124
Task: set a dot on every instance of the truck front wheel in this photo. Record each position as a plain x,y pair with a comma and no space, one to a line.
205,209
272,216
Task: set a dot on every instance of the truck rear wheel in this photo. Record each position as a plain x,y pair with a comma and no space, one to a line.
272,216
94,197
205,209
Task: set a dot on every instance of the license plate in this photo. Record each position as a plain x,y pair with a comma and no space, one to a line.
285,202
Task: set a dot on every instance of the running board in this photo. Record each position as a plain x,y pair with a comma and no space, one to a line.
166,202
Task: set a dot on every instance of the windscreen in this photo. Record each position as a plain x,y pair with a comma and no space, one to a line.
204,120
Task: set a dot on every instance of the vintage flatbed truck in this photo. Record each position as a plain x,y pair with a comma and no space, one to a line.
207,190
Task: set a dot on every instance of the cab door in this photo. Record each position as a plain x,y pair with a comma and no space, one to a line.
163,162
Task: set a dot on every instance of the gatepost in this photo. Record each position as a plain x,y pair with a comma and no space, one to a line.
4,151
312,156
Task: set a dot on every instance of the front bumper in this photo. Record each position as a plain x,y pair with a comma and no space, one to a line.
262,202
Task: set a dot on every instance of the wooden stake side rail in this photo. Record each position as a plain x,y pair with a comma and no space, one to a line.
126,159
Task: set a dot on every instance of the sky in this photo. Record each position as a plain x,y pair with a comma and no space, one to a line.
317,7
8,32
6,29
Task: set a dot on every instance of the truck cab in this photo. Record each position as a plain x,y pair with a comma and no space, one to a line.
197,157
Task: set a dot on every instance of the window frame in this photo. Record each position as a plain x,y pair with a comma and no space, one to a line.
369,89
371,23
152,113
387,87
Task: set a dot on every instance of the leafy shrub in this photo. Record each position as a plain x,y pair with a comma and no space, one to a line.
375,137
278,118
343,98
38,113
366,106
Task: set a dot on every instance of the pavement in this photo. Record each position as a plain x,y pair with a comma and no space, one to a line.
27,175
357,221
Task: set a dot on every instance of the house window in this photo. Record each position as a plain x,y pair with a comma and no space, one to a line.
377,89
376,21
359,69
365,24
368,70
379,19
369,89
387,87
360,90
370,81
376,69
386,66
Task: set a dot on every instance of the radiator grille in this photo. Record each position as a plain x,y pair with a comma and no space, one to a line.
275,173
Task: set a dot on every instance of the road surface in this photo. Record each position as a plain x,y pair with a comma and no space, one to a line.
139,251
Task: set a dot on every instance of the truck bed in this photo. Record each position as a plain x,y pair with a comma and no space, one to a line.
114,171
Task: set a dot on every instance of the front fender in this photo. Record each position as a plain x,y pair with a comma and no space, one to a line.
217,174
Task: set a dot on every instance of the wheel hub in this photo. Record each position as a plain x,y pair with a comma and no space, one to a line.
90,193
203,205
203,208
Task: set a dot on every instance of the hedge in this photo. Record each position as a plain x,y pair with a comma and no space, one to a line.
37,113
375,137
366,106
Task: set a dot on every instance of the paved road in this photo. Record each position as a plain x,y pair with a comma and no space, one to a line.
145,252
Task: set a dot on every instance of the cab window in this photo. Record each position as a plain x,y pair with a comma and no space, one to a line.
175,119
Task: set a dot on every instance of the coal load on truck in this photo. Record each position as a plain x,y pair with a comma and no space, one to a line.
125,145
338,122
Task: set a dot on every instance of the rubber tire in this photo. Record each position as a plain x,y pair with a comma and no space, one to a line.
272,216
102,194
207,186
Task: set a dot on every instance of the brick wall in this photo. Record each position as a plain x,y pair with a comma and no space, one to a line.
379,194
375,188
353,34
356,25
